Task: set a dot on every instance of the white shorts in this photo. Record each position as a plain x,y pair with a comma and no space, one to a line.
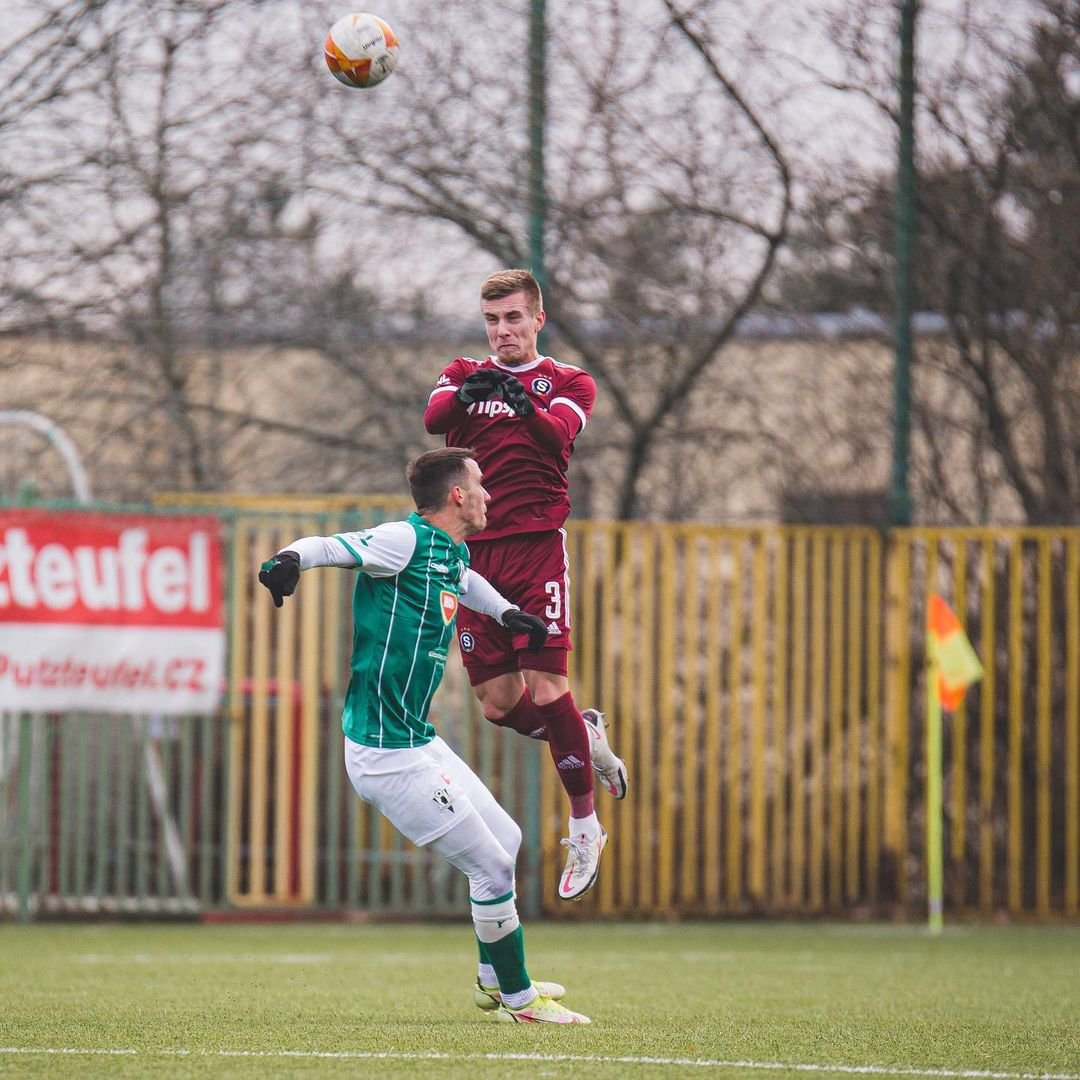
423,791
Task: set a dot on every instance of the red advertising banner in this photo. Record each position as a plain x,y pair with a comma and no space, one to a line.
110,612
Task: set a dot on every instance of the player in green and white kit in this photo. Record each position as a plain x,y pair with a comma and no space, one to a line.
413,574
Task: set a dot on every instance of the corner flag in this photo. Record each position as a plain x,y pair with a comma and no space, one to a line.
952,667
951,652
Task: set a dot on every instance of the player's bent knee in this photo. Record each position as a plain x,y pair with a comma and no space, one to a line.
475,850
496,878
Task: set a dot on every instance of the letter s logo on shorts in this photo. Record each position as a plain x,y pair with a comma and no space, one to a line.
540,385
468,642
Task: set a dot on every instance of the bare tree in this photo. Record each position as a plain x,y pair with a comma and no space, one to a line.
998,396
668,201
158,209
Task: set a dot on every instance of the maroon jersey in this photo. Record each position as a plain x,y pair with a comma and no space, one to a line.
523,459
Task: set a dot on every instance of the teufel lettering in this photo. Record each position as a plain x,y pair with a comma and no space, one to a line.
128,576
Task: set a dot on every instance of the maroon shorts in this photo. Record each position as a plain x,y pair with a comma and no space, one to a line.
530,570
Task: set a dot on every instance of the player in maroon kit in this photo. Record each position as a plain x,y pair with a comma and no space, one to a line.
520,413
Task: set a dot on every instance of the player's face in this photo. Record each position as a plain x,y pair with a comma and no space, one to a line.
474,500
512,328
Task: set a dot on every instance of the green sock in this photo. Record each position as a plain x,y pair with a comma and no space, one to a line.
507,957
485,956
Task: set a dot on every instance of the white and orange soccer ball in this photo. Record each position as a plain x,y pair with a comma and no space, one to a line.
361,50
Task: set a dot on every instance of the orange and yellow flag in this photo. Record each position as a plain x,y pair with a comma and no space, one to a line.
957,665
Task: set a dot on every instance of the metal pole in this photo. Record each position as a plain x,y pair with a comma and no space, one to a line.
537,121
59,438
900,495
25,847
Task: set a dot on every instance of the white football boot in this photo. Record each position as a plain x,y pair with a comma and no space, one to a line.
610,769
582,865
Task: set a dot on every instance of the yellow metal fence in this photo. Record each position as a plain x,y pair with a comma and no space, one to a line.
763,685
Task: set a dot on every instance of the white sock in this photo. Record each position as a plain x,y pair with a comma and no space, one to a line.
589,827
522,997
486,974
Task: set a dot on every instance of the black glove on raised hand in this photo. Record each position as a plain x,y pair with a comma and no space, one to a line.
513,393
280,575
479,386
521,622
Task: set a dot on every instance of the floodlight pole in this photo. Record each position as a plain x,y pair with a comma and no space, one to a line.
537,122
530,898
900,494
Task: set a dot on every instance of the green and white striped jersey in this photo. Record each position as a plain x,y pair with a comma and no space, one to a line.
405,604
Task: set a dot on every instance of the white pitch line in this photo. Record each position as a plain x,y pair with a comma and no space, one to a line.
597,1059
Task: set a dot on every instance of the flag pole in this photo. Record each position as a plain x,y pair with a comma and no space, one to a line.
935,858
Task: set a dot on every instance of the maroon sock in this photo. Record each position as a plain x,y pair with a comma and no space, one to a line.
568,742
524,718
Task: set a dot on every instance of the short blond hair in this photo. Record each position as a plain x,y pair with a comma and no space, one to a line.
504,282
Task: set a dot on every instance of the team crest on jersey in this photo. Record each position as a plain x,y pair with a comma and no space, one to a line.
448,606
540,385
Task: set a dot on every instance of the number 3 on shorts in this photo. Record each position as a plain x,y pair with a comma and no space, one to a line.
554,607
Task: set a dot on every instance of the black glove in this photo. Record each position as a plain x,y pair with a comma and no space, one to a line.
479,386
513,393
521,622
280,575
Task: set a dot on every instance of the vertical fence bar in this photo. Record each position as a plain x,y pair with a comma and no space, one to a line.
668,726
336,786
712,862
259,744
818,689
799,727
1043,722
1072,726
835,753
647,727
142,811
25,847
898,661
874,756
630,629
932,545
185,735
693,788
239,670
855,727
986,731
958,770
607,649
102,845
735,817
759,609
282,812
780,713
208,808
1016,721
307,811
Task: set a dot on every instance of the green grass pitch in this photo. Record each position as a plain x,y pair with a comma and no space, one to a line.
721,999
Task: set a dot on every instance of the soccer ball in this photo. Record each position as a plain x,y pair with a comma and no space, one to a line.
361,50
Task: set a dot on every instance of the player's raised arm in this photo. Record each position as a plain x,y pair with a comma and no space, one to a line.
379,552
